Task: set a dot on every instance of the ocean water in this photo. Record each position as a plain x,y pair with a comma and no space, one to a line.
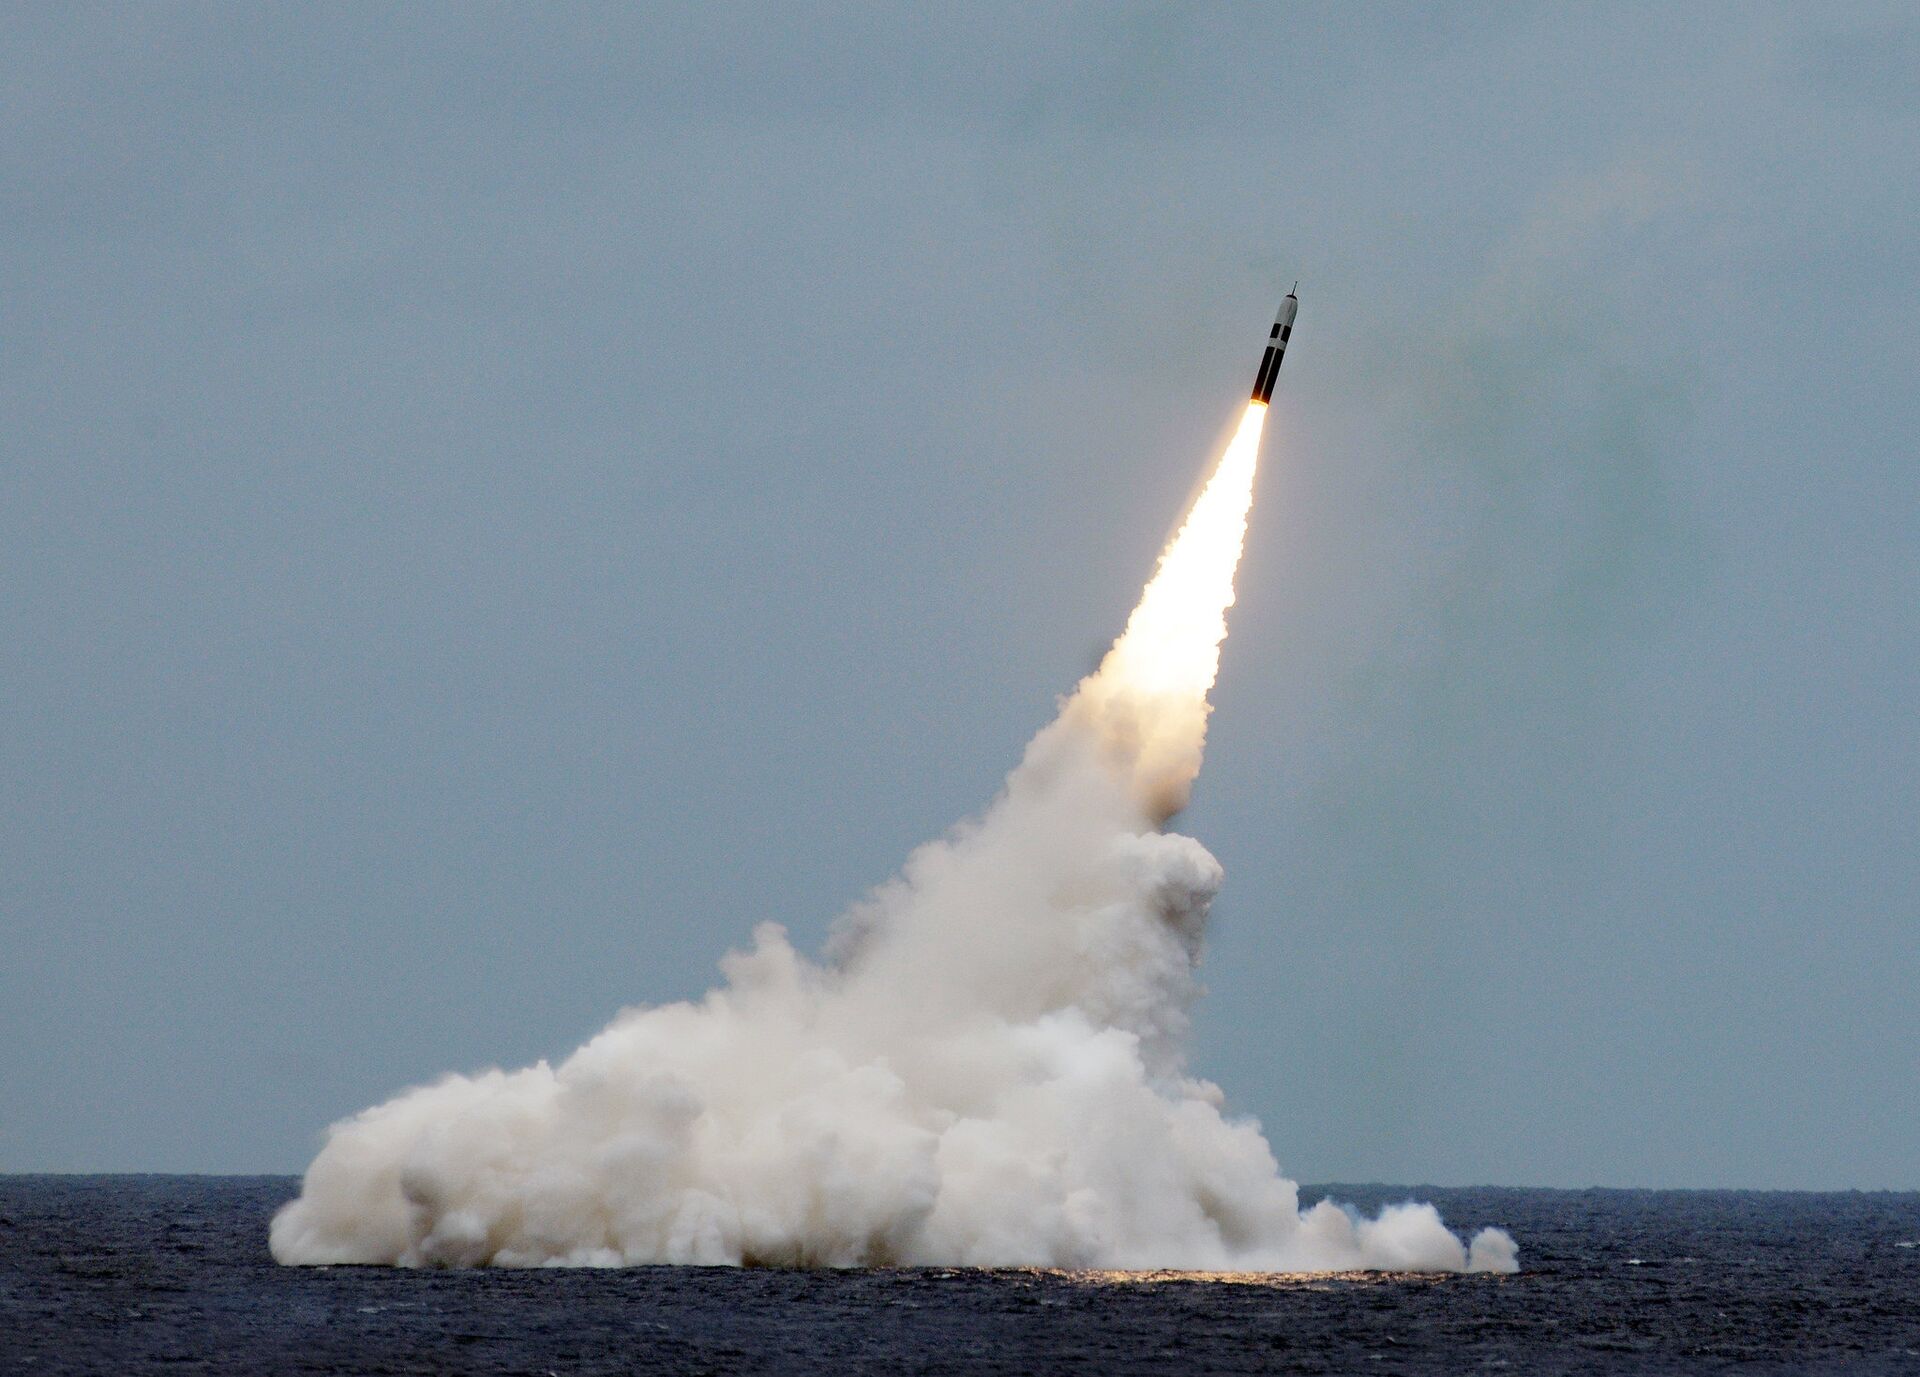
114,1274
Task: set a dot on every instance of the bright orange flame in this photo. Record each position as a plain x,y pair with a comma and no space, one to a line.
1149,696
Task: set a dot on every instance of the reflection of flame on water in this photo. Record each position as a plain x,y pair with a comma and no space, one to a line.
1286,1281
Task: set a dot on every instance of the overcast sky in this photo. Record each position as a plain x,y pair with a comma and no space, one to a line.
496,501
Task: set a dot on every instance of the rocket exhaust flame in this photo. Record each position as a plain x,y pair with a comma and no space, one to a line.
988,1070
1149,695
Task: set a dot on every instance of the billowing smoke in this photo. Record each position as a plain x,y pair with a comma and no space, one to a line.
986,1069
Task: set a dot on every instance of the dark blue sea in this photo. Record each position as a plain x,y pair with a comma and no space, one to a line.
113,1274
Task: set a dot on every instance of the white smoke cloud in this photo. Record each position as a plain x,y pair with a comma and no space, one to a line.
987,1070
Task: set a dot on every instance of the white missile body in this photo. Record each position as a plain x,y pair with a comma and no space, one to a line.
1276,349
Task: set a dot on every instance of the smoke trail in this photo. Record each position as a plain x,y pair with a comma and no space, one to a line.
987,1071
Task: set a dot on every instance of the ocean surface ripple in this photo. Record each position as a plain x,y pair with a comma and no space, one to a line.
139,1273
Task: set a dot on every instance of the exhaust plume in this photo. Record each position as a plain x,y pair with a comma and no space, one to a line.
986,1070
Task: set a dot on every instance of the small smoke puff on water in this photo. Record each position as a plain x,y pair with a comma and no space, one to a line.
988,1070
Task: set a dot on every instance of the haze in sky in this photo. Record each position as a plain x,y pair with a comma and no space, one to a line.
496,503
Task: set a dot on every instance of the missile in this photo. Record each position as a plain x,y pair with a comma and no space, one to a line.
1276,348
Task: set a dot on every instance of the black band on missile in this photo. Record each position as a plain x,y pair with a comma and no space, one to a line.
1274,331
1283,335
1268,367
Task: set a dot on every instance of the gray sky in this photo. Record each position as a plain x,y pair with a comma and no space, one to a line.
494,502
